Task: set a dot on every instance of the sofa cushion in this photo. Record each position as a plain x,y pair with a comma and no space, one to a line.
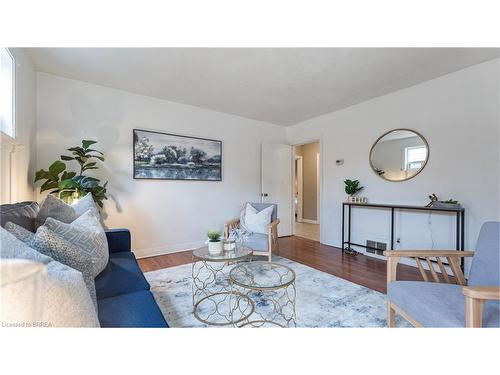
437,305
257,241
121,275
22,213
138,309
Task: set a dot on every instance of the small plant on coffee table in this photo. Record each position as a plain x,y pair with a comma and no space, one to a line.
214,235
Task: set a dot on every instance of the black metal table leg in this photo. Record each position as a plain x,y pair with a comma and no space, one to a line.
343,228
392,228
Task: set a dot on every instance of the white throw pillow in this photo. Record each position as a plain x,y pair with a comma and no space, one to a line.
66,299
257,222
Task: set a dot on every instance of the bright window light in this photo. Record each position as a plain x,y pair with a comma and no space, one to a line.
415,157
7,95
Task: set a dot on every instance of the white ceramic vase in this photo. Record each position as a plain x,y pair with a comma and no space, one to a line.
215,247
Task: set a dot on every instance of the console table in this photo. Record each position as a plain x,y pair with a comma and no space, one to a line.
458,212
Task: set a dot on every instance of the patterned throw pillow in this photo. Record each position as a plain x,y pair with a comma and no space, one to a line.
51,244
18,231
55,208
85,233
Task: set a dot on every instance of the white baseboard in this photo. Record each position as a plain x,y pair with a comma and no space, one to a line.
310,221
166,249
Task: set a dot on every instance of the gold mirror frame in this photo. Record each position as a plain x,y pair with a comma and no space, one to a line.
391,131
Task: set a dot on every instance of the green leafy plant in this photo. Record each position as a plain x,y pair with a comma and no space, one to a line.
352,187
214,235
69,184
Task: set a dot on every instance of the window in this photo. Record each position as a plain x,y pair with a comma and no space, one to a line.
7,95
415,157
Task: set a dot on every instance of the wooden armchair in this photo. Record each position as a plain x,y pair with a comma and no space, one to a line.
262,244
435,304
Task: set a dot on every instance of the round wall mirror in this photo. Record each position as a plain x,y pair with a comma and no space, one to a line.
399,155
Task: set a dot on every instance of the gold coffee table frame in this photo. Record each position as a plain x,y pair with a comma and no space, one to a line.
210,285
272,282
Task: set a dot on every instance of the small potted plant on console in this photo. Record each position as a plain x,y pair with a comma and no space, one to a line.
352,188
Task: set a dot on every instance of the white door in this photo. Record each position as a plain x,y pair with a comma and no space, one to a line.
277,182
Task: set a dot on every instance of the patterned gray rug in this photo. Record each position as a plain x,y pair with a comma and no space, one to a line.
323,300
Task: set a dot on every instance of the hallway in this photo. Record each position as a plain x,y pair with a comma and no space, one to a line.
306,230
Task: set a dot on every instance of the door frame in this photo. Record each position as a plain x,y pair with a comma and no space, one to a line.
300,142
300,187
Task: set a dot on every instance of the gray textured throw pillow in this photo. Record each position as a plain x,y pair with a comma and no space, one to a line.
20,232
13,248
87,234
51,244
55,208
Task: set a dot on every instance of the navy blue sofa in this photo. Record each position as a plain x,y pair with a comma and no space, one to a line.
123,296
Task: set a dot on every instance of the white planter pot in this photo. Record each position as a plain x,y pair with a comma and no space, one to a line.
215,247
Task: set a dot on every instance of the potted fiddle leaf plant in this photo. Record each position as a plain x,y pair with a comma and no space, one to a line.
71,185
214,242
352,188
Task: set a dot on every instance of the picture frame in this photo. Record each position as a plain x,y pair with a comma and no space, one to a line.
166,156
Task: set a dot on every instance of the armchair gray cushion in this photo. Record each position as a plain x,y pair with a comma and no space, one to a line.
257,241
437,305
443,305
485,268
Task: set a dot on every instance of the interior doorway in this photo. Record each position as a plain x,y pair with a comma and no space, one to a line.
306,190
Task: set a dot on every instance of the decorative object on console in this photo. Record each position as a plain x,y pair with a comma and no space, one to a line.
74,185
449,203
214,242
352,188
164,156
399,155
433,197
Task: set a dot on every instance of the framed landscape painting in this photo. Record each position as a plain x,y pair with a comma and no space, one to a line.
163,156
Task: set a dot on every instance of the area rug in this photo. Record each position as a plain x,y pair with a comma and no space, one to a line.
322,300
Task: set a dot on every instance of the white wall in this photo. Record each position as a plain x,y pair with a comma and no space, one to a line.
458,114
163,216
17,155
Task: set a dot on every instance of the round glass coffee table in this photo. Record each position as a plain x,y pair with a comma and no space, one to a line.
271,286
213,300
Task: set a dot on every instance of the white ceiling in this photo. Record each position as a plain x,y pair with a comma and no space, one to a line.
283,86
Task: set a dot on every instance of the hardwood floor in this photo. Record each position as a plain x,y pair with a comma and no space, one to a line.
363,270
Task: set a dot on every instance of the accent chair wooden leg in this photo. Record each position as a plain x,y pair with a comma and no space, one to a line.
391,315
474,312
